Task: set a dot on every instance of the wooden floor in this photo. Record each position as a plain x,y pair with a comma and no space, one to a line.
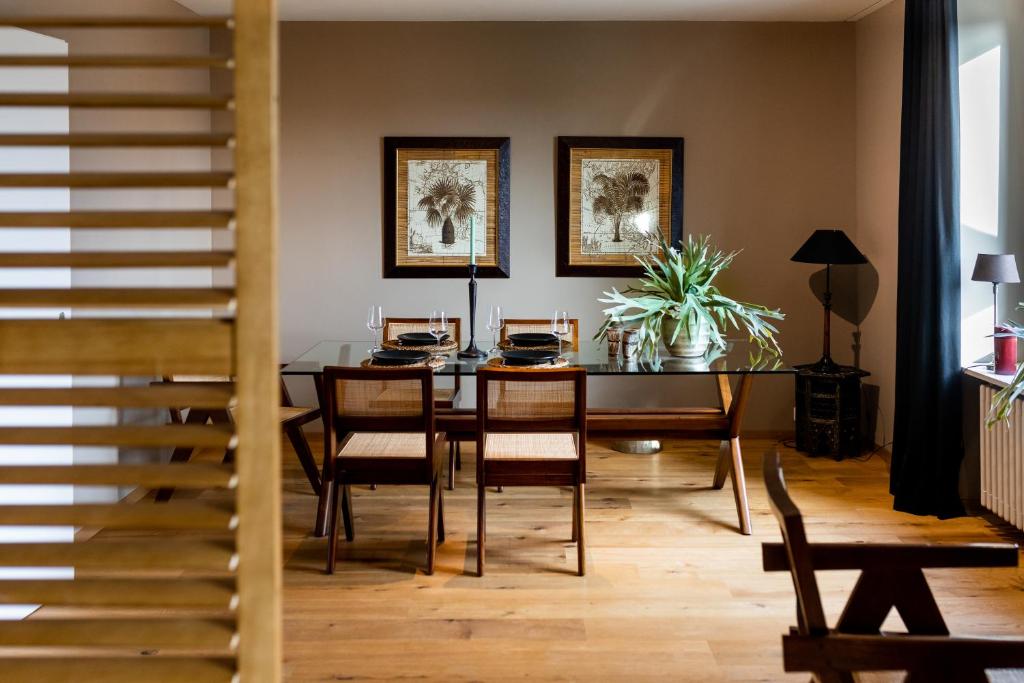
673,592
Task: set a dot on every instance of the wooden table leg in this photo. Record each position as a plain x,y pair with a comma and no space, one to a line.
183,453
730,456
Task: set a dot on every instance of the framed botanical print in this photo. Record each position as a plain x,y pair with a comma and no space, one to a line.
614,196
446,201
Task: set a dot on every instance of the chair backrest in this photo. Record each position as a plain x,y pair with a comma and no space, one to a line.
532,400
810,614
378,400
520,325
396,326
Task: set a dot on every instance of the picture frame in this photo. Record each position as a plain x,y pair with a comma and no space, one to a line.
433,187
612,193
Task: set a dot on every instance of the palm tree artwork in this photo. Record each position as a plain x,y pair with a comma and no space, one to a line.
619,195
448,201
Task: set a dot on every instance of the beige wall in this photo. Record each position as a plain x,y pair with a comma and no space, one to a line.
767,110
879,97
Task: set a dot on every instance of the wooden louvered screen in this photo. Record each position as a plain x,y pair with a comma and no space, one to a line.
186,590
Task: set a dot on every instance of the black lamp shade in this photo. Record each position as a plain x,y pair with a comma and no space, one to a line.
829,246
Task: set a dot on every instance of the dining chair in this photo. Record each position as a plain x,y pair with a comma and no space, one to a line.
379,429
531,431
444,397
291,417
891,578
520,325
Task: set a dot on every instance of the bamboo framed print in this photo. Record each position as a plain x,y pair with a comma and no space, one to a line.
446,204
614,196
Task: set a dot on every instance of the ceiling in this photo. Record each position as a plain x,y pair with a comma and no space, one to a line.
558,10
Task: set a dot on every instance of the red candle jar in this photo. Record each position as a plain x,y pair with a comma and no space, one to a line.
1006,352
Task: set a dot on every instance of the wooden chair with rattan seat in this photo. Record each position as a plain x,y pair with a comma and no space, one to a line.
521,325
444,397
891,578
531,431
291,417
379,429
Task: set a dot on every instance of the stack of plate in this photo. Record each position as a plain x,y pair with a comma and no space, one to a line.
532,339
420,339
399,357
529,357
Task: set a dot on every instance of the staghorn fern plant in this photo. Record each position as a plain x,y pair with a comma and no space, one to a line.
678,285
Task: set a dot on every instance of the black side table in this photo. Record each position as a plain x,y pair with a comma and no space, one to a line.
828,409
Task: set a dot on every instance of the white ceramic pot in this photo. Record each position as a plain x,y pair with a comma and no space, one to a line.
693,339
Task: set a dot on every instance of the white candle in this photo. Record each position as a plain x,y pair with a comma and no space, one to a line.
472,241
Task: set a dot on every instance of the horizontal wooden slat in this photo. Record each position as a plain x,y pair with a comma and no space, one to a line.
119,259
209,594
210,635
146,515
196,556
116,219
211,436
116,347
119,670
184,475
117,21
117,180
109,297
118,61
100,100
169,395
117,140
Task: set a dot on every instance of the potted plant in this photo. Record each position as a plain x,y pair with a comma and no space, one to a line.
677,303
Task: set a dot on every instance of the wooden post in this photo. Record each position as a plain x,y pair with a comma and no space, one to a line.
256,343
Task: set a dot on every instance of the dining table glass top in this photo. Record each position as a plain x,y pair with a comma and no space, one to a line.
739,357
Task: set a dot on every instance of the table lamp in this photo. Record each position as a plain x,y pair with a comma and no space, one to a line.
998,269
828,247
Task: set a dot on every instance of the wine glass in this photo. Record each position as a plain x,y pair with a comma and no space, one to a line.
560,327
375,323
438,325
495,322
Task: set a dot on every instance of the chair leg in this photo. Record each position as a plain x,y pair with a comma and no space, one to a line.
182,453
575,520
458,456
332,529
499,489
432,526
481,528
581,550
440,515
451,465
346,511
305,455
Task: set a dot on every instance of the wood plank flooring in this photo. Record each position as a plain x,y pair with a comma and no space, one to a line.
673,592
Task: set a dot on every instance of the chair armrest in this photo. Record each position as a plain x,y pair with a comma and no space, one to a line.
898,652
826,556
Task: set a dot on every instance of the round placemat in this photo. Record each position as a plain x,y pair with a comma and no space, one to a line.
446,347
500,363
506,345
433,363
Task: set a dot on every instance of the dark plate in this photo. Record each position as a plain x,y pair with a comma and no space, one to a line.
532,338
399,357
420,339
529,357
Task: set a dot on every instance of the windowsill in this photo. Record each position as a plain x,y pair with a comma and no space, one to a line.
988,376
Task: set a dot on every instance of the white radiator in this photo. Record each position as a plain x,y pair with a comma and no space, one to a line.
1002,461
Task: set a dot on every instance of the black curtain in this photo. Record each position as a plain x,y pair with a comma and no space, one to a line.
928,433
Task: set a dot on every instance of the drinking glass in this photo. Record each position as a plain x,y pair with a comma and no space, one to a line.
495,322
560,327
438,325
375,323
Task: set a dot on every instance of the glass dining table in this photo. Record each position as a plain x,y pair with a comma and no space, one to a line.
732,368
